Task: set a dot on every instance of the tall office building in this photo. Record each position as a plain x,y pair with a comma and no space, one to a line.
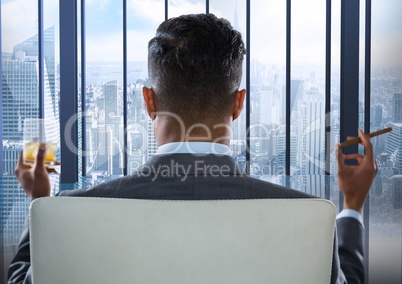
110,92
152,145
11,152
279,151
296,93
30,47
311,133
376,115
397,108
114,121
394,146
135,148
20,97
103,157
20,86
397,191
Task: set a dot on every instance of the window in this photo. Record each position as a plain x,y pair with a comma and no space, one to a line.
290,122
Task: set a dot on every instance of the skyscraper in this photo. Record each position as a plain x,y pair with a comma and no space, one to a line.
110,92
20,100
30,47
376,115
296,93
394,146
114,122
20,83
397,192
397,108
311,138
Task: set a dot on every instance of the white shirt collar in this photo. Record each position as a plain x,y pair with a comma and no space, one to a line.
193,148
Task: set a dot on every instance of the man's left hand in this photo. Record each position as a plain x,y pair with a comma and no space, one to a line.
34,180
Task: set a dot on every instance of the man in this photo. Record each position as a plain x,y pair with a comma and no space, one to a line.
195,67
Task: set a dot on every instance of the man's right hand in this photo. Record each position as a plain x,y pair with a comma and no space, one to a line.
355,180
34,180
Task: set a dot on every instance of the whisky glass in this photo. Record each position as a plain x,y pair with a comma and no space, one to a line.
35,132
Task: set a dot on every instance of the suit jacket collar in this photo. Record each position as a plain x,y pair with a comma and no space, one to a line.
192,164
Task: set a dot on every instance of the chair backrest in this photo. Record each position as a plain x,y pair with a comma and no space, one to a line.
98,240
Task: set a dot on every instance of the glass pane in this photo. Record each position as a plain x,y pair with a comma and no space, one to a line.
385,233
267,88
51,77
104,90
141,26
307,103
308,91
20,96
362,44
180,7
80,94
335,95
235,12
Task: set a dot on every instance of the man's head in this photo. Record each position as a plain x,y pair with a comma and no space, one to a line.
195,67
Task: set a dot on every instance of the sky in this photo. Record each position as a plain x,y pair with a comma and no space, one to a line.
104,27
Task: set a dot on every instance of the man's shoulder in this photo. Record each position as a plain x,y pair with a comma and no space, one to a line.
186,176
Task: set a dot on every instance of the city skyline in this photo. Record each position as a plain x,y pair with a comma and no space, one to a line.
104,98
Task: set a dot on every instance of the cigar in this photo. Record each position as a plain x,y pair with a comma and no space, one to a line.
356,140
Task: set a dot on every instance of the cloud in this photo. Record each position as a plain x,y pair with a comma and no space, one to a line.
101,3
154,10
20,21
268,28
149,10
109,46
180,7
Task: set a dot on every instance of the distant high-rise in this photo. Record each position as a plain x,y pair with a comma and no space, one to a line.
296,93
152,144
20,95
397,108
30,47
20,100
397,191
103,157
20,86
376,115
311,133
394,146
279,149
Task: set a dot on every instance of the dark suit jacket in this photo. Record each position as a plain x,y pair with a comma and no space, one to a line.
198,177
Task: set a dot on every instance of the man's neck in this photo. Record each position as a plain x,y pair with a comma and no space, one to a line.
168,132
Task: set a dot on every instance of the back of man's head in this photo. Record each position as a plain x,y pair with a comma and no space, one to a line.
195,66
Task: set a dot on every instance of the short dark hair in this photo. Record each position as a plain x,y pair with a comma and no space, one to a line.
195,65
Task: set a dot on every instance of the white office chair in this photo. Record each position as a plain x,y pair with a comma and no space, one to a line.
98,240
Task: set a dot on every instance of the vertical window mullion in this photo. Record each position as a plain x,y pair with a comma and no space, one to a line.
327,137
68,86
125,86
288,86
248,98
367,109
41,60
1,102
206,6
166,9
83,88
349,97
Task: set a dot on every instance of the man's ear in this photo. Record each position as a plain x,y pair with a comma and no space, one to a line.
149,100
239,102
